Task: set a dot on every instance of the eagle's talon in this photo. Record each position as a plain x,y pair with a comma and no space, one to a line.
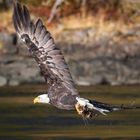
83,111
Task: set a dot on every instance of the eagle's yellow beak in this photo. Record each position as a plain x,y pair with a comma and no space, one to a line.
43,98
36,100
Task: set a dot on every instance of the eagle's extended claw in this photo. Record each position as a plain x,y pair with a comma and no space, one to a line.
83,111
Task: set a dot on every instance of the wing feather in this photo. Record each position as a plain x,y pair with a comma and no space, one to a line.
42,47
31,29
38,27
26,17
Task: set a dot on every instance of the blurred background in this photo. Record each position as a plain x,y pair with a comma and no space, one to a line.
99,39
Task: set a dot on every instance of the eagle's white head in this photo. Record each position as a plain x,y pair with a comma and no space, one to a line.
43,98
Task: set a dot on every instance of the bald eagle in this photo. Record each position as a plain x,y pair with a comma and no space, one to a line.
61,89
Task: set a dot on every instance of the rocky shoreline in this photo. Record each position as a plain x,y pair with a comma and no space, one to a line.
111,59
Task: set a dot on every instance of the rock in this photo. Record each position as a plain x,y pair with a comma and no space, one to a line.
38,79
97,79
7,59
13,82
28,73
22,49
9,42
82,82
76,36
104,59
3,81
86,81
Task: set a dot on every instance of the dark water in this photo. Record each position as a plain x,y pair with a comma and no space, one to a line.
20,119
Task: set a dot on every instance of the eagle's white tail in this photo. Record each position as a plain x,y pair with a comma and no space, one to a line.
88,108
93,105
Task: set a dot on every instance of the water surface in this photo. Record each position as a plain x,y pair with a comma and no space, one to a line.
20,119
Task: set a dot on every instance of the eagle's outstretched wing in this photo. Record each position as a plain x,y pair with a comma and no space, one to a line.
42,47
